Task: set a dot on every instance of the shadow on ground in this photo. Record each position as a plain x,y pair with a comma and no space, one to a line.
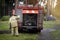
8,32
4,31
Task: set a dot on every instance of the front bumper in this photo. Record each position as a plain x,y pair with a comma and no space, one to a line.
30,28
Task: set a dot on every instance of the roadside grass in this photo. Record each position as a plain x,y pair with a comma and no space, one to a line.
22,36
50,24
4,25
56,34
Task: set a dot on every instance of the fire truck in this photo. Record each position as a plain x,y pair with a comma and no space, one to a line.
31,17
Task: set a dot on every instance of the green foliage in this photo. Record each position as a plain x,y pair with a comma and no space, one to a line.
22,36
5,18
4,25
56,34
50,24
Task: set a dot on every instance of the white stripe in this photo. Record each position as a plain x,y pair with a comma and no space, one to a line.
33,11
27,11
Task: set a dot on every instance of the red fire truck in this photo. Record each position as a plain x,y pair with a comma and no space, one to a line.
31,18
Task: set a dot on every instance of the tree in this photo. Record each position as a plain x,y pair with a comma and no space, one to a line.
2,8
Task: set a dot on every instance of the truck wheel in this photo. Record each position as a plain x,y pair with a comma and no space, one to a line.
39,31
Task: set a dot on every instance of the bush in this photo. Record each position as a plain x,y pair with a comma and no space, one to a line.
5,18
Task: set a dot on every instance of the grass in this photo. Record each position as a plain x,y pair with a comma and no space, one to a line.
22,36
56,34
4,25
49,24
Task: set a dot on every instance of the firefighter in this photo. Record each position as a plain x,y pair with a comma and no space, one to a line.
14,25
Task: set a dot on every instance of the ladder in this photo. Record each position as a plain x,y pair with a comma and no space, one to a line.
40,19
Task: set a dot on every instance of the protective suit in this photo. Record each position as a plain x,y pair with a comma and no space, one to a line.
14,25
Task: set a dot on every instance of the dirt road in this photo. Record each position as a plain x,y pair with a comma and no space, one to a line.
45,33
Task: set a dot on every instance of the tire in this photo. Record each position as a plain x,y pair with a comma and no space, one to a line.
39,31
